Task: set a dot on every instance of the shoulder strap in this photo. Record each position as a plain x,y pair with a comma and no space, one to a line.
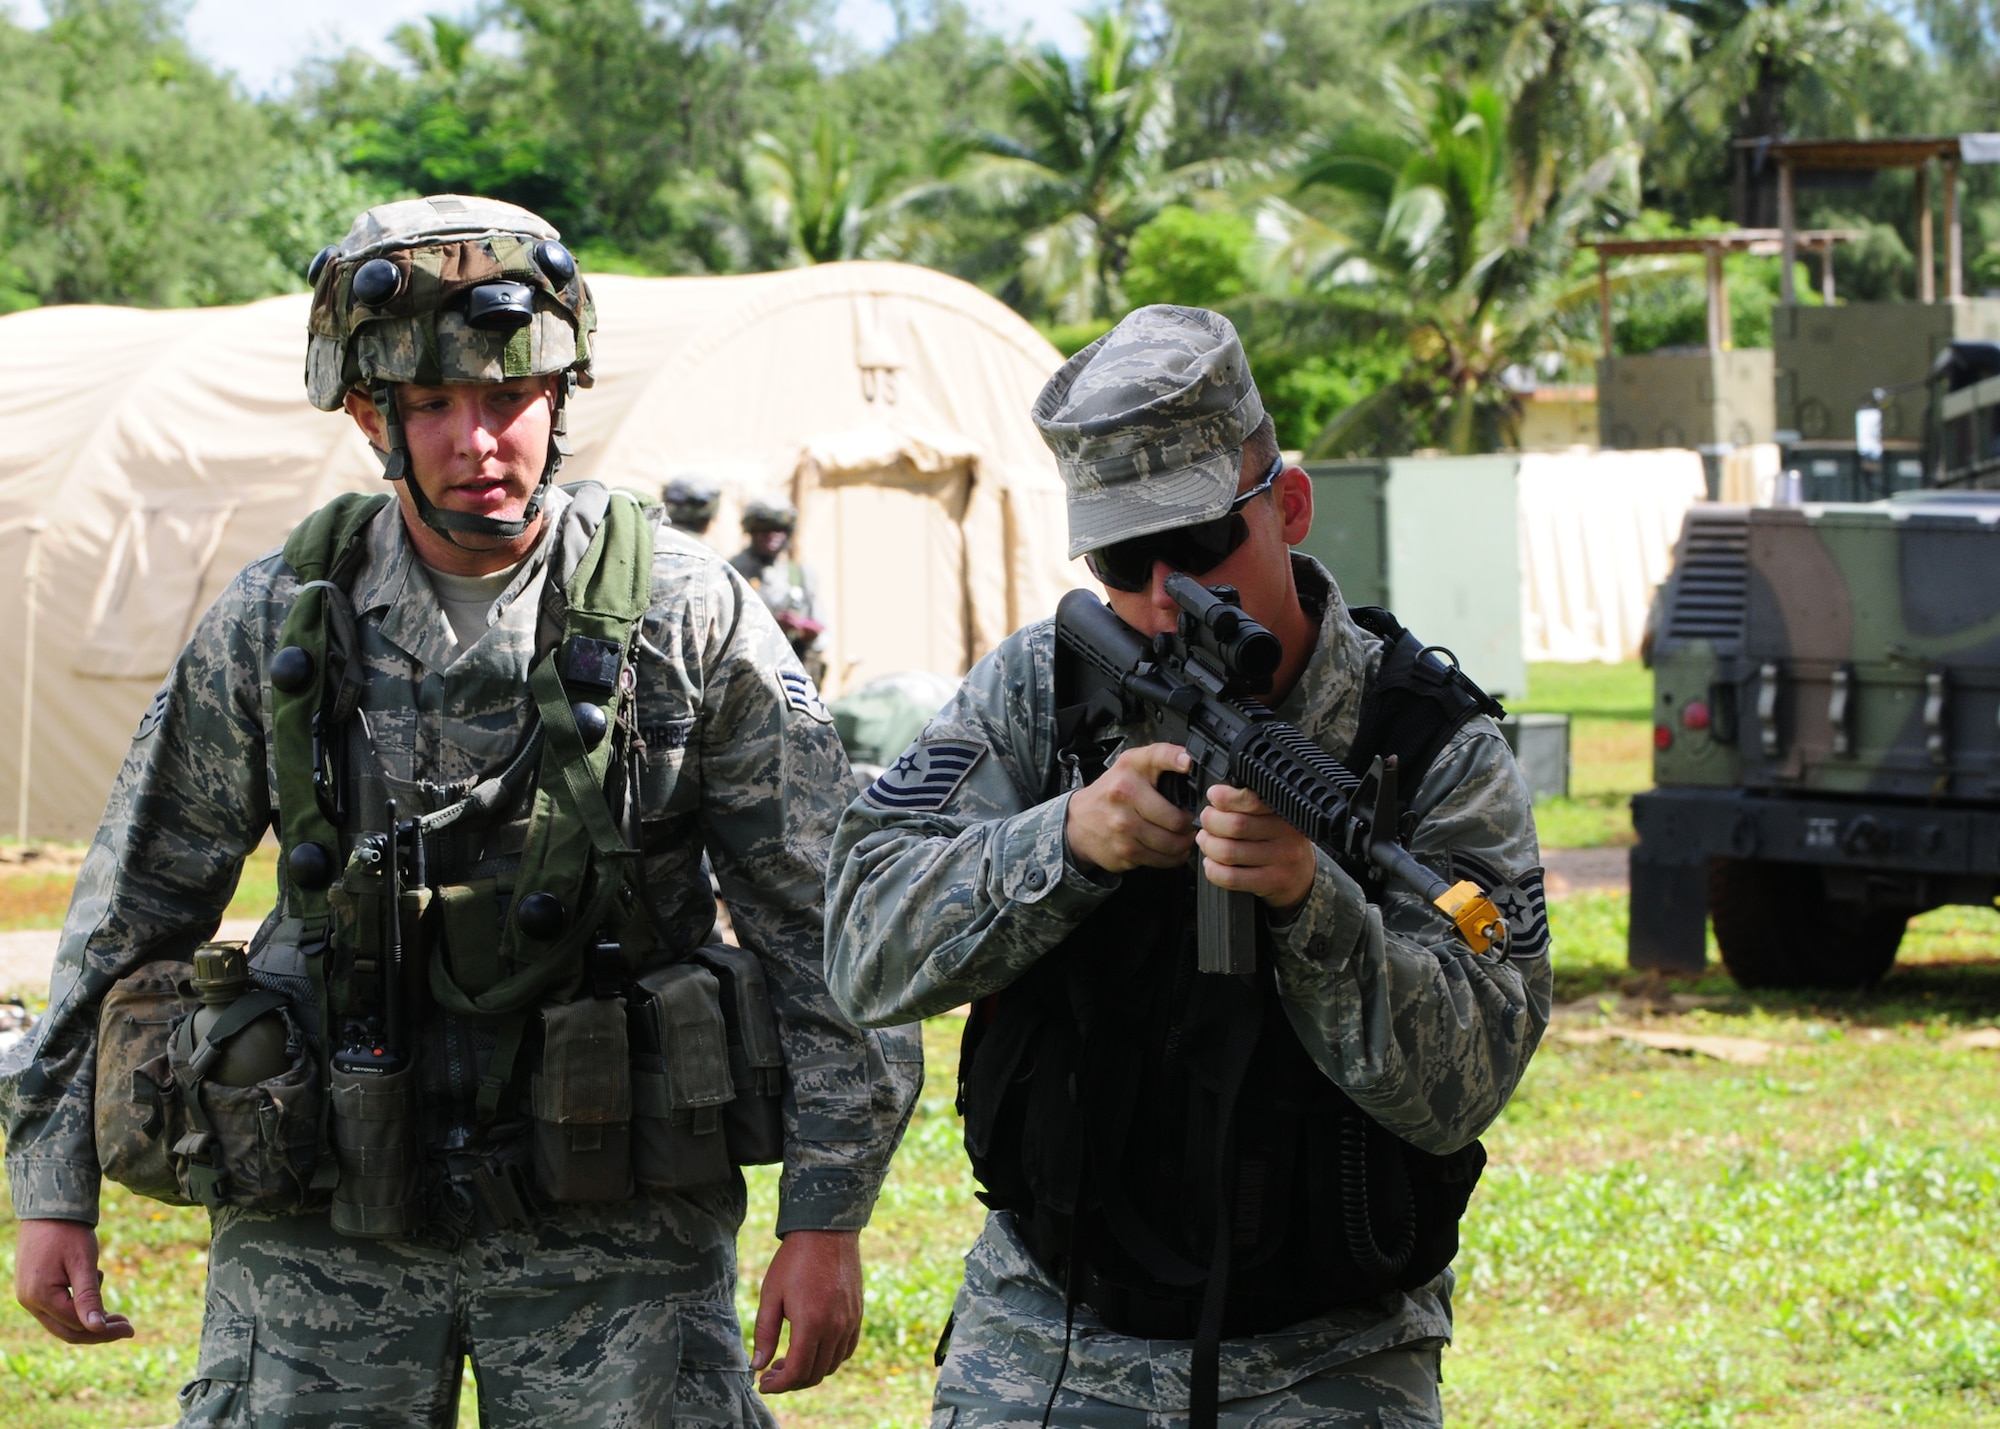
1416,702
324,551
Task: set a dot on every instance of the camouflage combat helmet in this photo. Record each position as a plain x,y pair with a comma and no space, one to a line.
763,515
691,500
448,289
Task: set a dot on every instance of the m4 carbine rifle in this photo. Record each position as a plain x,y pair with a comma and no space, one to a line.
1197,688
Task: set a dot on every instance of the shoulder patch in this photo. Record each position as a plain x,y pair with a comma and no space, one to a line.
802,696
1521,901
151,719
927,775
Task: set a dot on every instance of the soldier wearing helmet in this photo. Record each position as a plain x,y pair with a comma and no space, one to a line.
785,583
691,500
502,1084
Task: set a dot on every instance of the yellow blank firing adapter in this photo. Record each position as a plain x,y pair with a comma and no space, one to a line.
1473,914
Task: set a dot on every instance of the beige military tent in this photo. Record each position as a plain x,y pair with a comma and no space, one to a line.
146,456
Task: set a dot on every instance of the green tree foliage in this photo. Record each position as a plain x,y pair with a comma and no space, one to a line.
1400,259
1445,256
1083,166
1196,259
129,171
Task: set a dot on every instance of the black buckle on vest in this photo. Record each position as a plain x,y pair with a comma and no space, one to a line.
588,663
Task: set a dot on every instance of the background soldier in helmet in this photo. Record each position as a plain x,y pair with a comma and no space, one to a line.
786,584
497,724
1233,1198
691,500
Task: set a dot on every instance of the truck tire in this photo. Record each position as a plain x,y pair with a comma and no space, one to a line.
1778,929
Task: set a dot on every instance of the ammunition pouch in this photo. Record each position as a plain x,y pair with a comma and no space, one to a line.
680,1080
754,1119
254,1146
139,1114
582,1102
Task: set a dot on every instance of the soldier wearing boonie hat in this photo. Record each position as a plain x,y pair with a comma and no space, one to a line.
502,729
1051,887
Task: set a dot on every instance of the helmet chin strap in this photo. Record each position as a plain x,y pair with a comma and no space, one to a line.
396,466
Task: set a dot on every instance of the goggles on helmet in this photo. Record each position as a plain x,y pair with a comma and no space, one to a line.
1194,550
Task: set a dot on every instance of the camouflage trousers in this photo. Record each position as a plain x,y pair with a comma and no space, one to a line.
1392,1389
613,1316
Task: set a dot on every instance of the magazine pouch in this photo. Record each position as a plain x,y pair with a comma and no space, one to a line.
754,1120
582,1095
681,1083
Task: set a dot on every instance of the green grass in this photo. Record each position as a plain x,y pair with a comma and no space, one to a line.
1661,1241
1623,691
1611,751
39,900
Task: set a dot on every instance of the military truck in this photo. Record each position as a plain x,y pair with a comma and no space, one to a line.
1826,736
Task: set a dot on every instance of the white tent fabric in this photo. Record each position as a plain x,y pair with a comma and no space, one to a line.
1597,533
146,456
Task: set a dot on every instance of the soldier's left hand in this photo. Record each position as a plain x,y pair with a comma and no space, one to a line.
815,1282
1248,848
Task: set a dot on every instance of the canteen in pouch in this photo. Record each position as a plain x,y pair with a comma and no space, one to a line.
138,1111
754,1120
581,1098
249,1085
681,1083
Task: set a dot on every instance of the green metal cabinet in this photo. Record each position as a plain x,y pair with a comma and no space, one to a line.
1434,539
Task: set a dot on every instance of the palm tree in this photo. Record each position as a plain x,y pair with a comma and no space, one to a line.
827,203
1437,249
1085,166
1751,59
1580,77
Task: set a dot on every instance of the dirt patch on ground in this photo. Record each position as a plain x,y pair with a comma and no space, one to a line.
35,860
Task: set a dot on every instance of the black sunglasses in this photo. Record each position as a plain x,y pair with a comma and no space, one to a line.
1195,550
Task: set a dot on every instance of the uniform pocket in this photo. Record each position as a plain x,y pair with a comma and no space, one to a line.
217,1395
666,783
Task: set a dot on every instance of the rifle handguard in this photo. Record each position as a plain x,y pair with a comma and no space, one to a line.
1473,914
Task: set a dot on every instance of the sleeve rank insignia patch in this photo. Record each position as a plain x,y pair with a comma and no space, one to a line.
927,775
1521,901
802,696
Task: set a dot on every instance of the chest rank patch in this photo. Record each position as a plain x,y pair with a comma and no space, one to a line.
1521,902
927,775
803,697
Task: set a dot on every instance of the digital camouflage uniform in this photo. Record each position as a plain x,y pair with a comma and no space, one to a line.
616,1313
952,880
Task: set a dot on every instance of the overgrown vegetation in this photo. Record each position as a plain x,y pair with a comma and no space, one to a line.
1389,197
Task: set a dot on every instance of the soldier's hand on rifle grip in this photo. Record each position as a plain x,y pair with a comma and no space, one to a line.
1249,849
1122,821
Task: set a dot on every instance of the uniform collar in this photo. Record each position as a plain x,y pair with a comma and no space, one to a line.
1326,702
411,617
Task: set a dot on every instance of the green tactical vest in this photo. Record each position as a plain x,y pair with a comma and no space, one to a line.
576,856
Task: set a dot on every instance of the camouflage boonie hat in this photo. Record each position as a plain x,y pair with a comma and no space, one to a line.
1148,424
445,289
